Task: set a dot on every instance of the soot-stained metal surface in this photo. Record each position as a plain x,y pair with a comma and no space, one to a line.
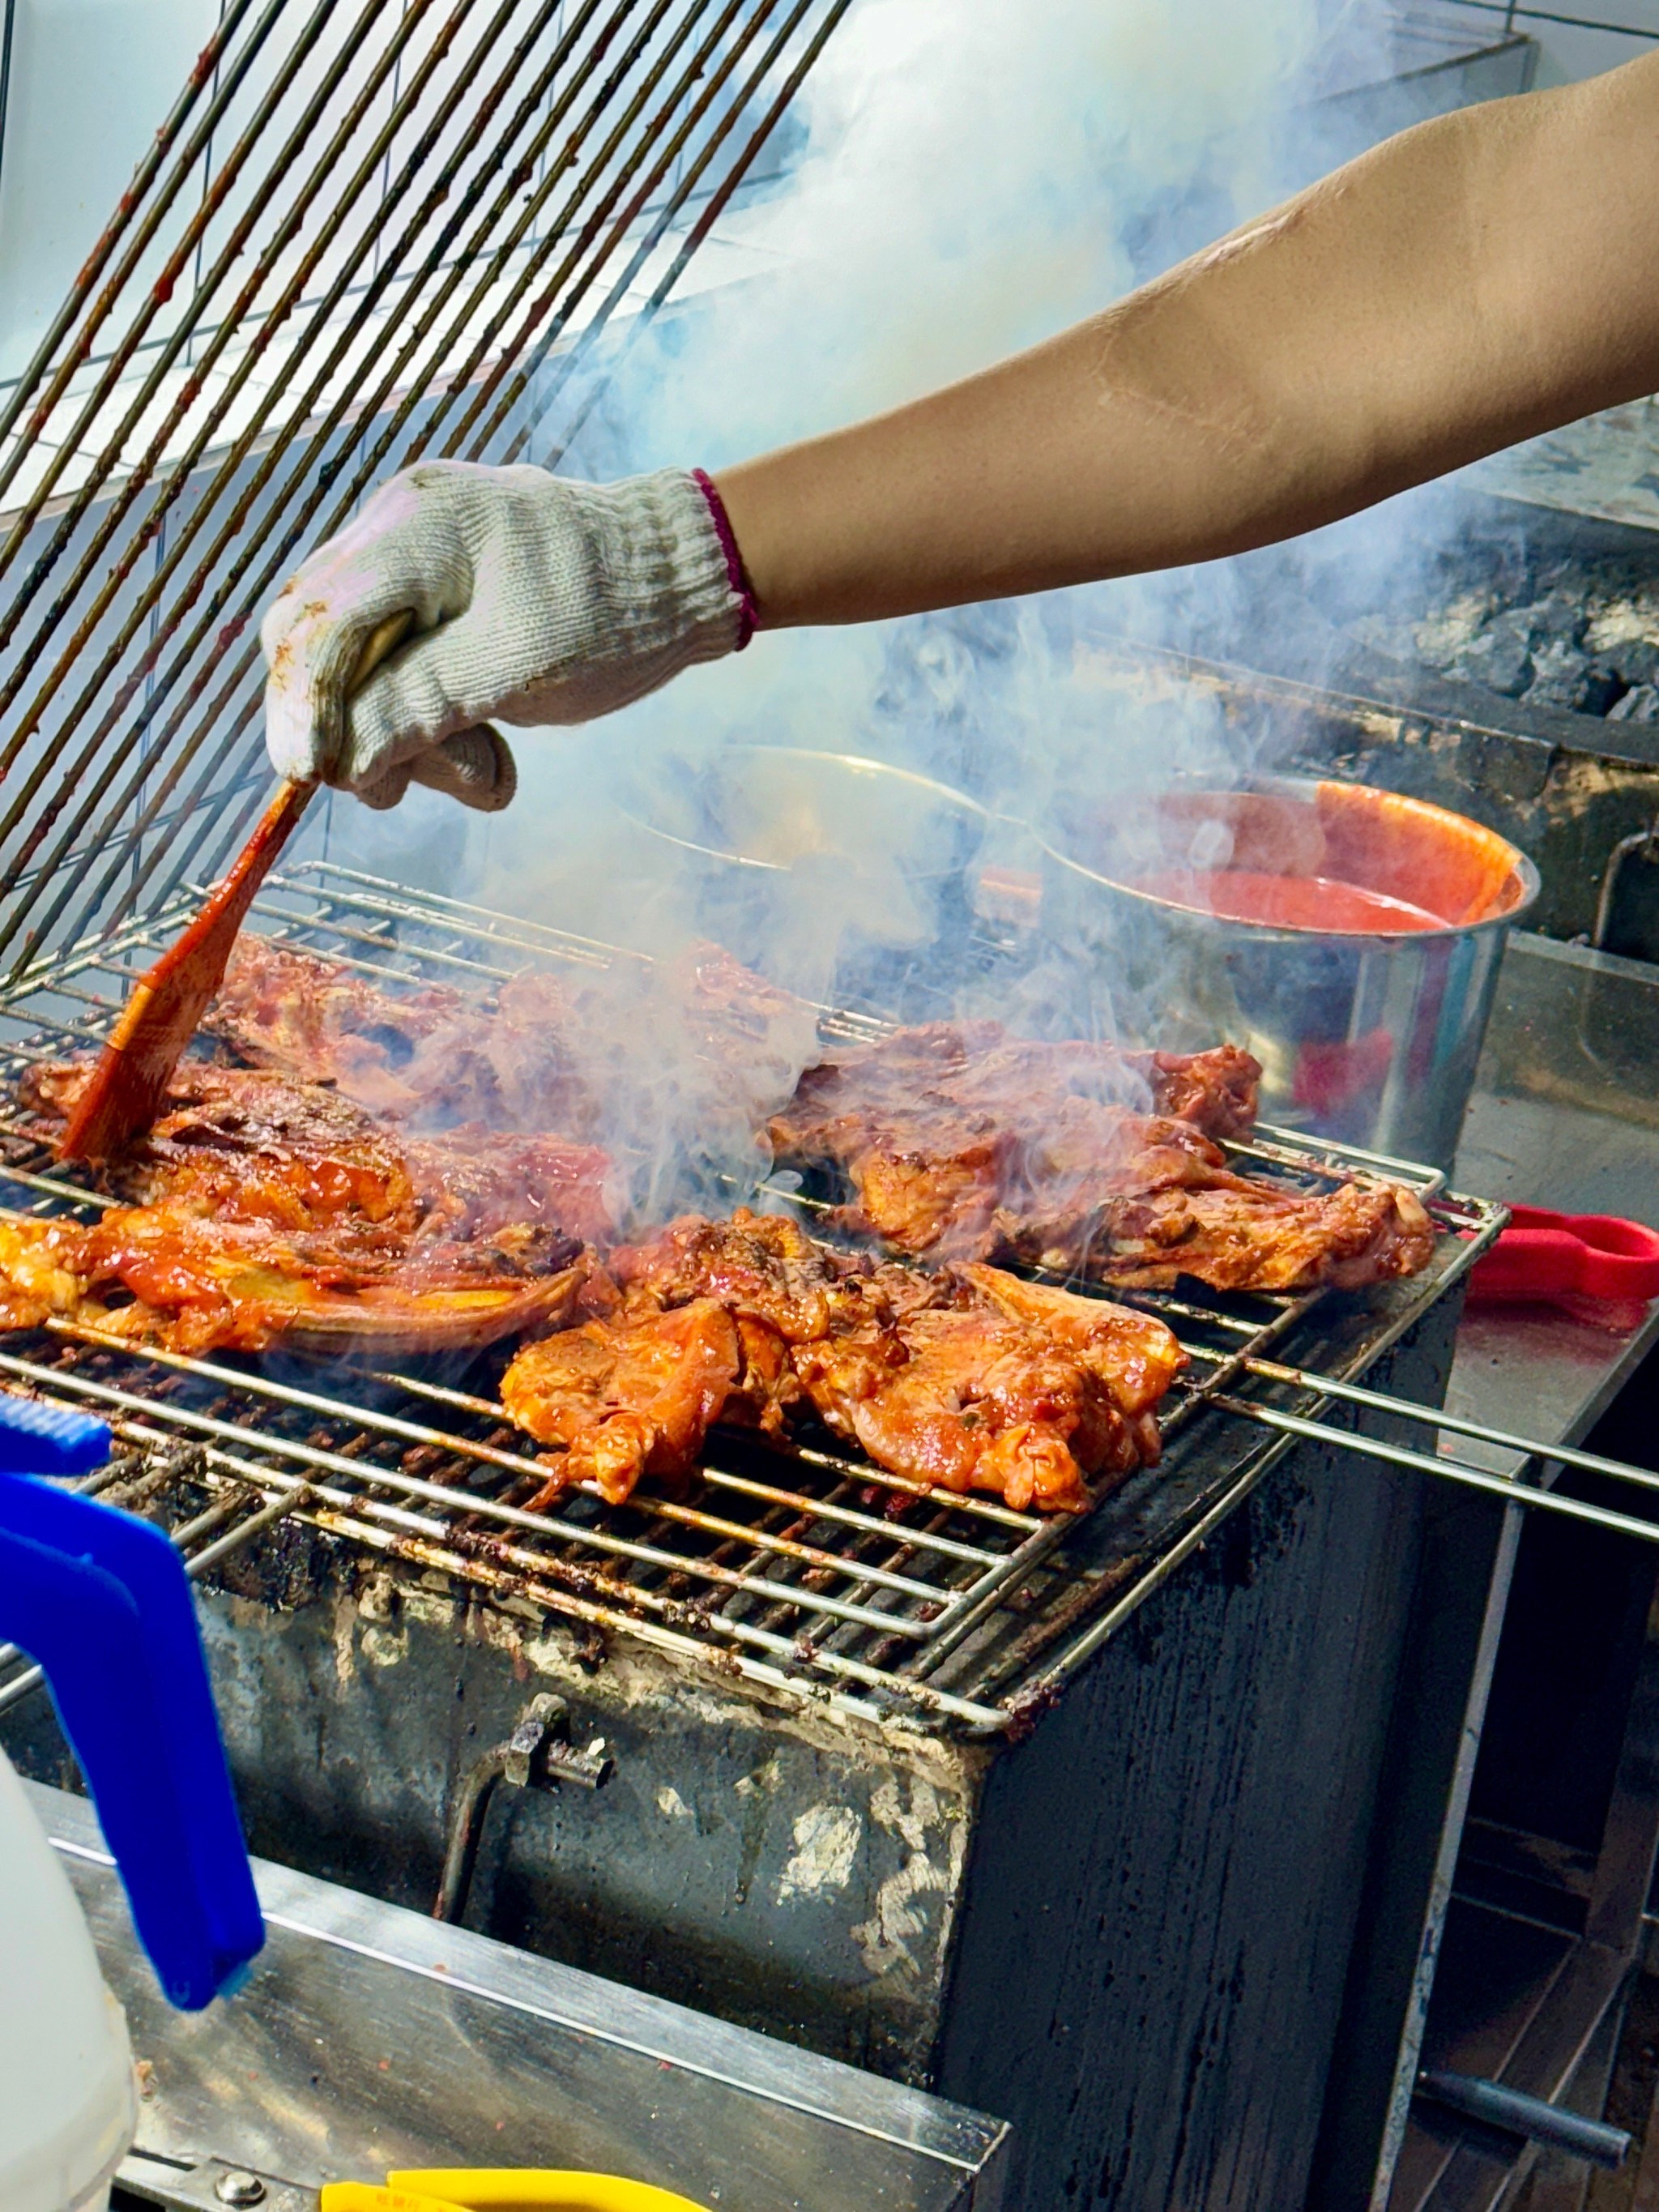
1156,1882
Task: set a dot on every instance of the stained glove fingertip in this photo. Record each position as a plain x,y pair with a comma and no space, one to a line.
292,740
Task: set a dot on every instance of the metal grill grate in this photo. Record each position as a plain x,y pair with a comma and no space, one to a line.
366,232
801,1566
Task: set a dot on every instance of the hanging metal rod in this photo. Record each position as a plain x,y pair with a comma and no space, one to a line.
224,72
521,173
228,576
243,665
572,279
392,253
713,209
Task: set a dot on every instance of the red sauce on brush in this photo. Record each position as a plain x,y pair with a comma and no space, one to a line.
1287,901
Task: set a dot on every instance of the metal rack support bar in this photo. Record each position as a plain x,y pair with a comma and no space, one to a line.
1353,1393
1454,1470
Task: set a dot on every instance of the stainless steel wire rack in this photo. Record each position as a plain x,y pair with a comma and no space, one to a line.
798,1566
365,232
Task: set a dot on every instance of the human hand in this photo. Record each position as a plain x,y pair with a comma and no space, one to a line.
534,599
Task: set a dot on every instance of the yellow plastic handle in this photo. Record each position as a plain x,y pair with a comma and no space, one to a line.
369,2196
524,2189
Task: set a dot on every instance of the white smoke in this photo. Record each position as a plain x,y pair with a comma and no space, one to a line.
976,175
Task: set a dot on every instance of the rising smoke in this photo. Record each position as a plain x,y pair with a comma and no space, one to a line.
976,175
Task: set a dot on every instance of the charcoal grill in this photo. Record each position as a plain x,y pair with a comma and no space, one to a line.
880,1653
801,1566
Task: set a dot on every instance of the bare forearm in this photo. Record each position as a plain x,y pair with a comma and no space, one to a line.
1479,279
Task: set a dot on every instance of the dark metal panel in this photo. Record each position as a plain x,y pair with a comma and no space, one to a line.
1182,1845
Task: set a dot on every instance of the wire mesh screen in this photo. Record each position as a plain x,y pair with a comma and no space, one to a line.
368,230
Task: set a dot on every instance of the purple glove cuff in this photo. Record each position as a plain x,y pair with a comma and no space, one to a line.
748,612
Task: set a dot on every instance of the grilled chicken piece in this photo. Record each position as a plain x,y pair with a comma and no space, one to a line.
199,1283
1238,1234
937,1191
38,1277
421,1052
972,1400
255,1147
961,1145
975,1072
268,1148
636,1390
964,1377
265,1211
472,1182
1215,1090
762,1266
553,1051
320,1021
633,1396
1134,1355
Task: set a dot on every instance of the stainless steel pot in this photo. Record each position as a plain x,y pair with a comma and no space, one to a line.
1369,1037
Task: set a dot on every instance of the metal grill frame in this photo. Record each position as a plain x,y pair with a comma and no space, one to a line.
474,190
800,1568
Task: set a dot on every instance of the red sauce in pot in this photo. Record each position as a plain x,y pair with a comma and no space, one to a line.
1287,901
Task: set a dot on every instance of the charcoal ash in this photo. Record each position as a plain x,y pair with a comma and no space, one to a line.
1498,657
1583,637
1499,609
1565,676
1639,704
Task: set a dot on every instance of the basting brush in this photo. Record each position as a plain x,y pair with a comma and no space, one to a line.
126,1091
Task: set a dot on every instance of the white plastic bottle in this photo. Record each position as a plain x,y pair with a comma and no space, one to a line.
100,1601
67,2098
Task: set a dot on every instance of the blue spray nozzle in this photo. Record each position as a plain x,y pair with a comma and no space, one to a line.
100,1599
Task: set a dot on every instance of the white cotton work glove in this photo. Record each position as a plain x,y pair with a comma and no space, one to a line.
534,599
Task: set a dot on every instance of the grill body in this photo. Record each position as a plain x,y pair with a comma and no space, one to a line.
1128,1928
1075,1820
1127,1933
